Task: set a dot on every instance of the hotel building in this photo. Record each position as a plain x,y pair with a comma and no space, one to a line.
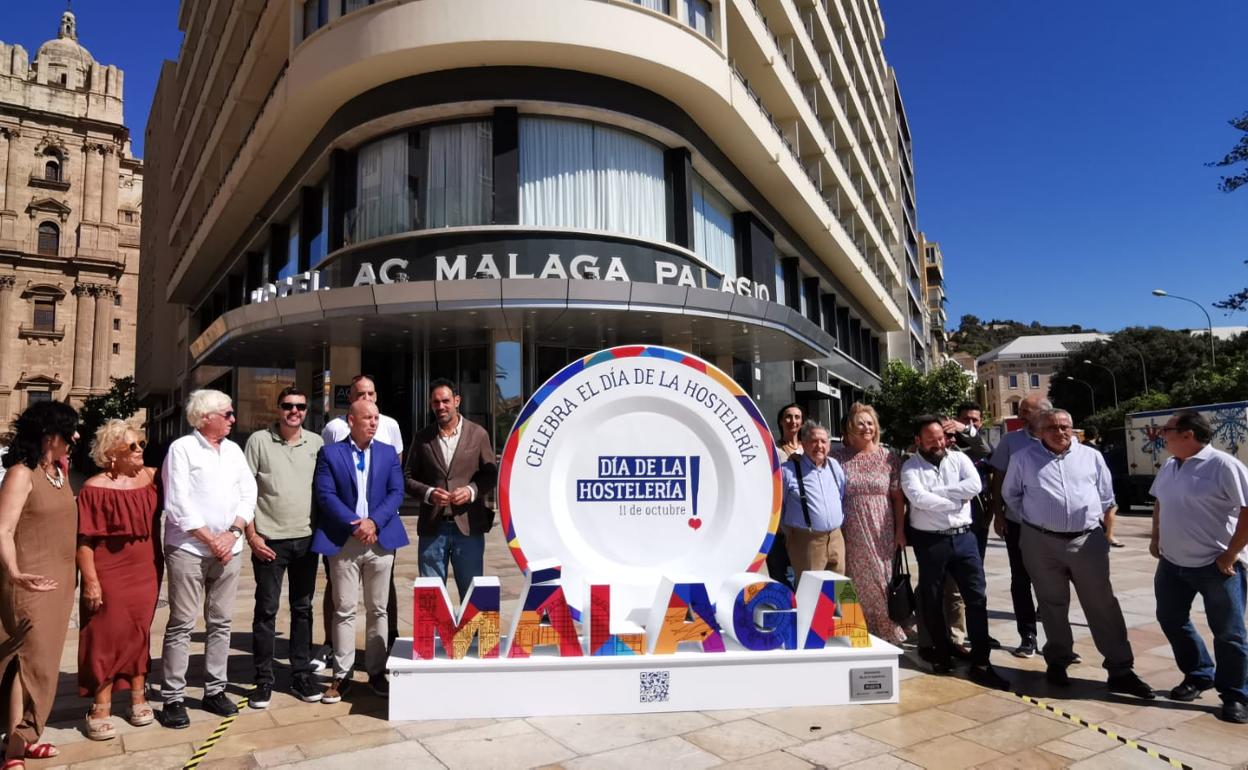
487,189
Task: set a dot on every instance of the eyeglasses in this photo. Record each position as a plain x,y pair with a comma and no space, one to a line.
137,445
288,405
227,415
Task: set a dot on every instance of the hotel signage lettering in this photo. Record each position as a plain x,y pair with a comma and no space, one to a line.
435,259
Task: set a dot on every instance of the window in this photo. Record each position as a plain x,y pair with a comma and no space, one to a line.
459,174
64,79
128,216
1013,380
712,229
315,15
116,348
49,239
52,171
38,396
45,315
654,5
117,299
1035,380
116,324
580,175
1014,408
698,16
354,5
291,265
385,191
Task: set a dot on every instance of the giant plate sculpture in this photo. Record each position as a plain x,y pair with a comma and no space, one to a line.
638,463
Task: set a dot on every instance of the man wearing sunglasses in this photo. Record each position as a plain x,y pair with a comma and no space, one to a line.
283,459
1200,539
1062,491
210,496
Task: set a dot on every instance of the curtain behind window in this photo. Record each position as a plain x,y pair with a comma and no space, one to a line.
460,175
631,188
557,173
712,229
578,175
384,200
654,5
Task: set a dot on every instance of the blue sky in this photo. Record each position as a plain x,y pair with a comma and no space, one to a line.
1059,151
1059,146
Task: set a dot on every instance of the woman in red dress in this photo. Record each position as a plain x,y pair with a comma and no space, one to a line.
874,525
119,558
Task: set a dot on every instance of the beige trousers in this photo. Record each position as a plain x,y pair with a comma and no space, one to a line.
359,566
814,550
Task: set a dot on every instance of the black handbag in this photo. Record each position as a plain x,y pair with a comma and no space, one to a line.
901,604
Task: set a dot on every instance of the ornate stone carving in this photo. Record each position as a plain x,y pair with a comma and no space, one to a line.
51,141
10,132
7,281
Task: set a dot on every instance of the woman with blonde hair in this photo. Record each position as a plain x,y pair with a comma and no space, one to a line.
874,525
120,563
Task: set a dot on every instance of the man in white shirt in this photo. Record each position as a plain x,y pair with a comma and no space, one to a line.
1200,531
210,497
388,432
940,485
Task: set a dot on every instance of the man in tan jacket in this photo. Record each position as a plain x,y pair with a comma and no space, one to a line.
450,470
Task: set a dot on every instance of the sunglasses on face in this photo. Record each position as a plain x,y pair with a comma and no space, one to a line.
135,446
289,405
227,415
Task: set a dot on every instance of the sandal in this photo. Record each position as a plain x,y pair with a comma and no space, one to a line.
41,751
98,729
140,714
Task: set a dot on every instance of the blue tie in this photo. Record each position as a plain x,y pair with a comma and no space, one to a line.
359,460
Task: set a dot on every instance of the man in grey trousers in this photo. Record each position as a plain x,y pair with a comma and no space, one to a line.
1062,490
210,497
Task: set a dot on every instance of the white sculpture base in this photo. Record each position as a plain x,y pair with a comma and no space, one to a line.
547,685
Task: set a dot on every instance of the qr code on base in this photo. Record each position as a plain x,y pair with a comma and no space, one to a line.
654,686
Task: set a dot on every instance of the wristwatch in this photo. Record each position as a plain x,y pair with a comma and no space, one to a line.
237,532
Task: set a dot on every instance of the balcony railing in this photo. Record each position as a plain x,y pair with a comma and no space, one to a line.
31,331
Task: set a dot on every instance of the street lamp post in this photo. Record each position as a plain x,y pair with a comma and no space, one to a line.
1112,378
1163,293
1143,367
1091,392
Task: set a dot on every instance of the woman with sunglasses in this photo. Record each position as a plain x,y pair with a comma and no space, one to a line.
119,559
37,526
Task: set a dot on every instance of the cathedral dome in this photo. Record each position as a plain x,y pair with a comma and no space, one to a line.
62,59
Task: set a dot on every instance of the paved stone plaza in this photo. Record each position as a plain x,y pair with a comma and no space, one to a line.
941,722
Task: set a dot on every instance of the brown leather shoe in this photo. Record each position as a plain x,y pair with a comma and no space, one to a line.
337,689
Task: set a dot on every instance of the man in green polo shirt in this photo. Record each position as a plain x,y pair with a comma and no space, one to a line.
283,457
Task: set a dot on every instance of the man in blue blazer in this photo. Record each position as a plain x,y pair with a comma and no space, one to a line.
358,486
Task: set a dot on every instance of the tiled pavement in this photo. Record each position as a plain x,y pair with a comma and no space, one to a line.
941,722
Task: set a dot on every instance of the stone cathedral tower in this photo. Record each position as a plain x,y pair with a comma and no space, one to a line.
70,208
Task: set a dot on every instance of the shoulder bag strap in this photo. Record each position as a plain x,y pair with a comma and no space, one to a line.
801,489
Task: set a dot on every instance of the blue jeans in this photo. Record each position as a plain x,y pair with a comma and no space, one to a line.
463,553
1223,597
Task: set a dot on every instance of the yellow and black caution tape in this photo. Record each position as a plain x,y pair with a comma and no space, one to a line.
1107,733
202,750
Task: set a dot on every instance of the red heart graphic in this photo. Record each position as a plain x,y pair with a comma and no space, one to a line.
695,523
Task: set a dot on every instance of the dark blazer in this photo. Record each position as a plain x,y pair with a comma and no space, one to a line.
473,464
335,489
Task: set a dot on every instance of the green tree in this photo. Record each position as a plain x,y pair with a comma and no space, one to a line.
121,402
1170,356
905,394
1237,155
